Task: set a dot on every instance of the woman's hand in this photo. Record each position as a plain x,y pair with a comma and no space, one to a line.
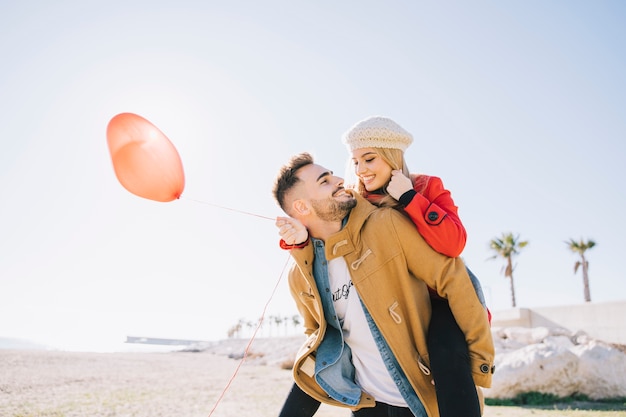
399,184
291,230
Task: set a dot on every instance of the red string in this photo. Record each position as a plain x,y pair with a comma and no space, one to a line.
231,209
246,351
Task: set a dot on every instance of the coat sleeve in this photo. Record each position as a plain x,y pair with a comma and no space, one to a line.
436,216
449,278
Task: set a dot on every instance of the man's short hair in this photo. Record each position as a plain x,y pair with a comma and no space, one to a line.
287,177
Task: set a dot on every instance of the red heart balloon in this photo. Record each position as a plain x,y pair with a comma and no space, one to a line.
146,163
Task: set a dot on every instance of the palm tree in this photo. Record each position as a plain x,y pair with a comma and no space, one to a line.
580,248
507,246
296,320
278,320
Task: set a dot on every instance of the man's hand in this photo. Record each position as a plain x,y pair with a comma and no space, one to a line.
399,184
291,230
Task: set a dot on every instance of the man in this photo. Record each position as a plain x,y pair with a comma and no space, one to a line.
361,288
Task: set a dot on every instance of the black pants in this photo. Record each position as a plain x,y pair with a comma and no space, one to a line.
450,364
383,410
299,404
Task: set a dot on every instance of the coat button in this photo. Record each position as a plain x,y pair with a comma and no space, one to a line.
484,368
432,216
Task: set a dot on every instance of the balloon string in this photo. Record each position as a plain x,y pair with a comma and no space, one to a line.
256,330
231,209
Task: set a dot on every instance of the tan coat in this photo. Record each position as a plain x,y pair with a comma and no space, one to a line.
391,265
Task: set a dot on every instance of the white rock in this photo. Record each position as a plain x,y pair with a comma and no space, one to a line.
555,361
601,370
537,367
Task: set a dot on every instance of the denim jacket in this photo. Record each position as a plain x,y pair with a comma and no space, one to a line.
334,371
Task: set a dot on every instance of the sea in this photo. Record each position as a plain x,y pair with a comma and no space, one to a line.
113,346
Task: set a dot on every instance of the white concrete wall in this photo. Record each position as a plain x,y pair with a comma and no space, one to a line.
602,321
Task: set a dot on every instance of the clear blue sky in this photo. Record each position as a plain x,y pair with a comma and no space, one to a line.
518,106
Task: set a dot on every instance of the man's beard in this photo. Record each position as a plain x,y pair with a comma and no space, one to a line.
332,210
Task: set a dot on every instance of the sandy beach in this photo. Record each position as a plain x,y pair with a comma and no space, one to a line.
190,384
70,384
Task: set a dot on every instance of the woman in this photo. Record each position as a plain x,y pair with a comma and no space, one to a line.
377,146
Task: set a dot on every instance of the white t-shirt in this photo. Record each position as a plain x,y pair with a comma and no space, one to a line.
371,372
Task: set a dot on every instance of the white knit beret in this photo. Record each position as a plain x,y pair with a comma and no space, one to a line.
377,132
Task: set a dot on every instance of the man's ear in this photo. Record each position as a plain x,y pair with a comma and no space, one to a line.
301,207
